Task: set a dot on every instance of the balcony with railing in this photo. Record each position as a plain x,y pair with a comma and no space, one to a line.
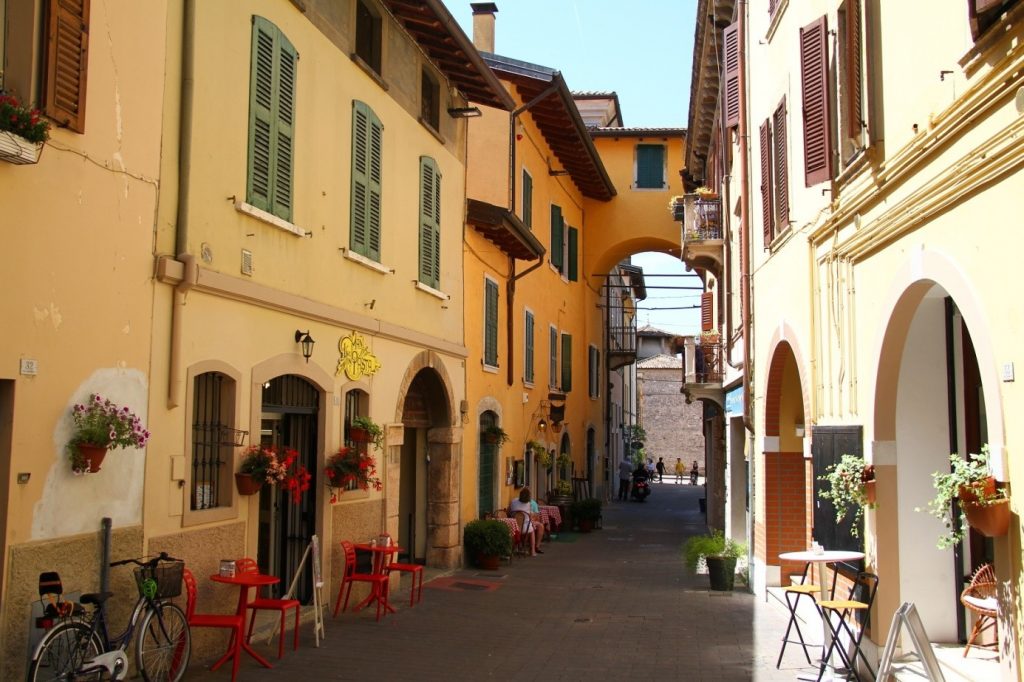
703,242
622,345
703,366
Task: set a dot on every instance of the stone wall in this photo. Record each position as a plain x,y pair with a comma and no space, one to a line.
674,429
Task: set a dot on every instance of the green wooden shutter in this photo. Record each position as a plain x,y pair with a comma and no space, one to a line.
528,372
527,199
491,323
557,238
284,131
430,222
271,120
650,166
261,120
367,144
552,357
566,363
376,152
573,249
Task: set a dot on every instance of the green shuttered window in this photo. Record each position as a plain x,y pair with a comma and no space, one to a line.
557,238
271,120
528,345
566,362
650,166
527,199
430,223
573,257
367,149
552,357
490,323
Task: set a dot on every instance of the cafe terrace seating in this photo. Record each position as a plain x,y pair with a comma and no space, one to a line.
376,580
247,565
233,622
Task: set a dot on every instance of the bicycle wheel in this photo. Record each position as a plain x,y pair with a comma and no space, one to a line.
63,650
163,644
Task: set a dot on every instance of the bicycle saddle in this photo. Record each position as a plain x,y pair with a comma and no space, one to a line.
95,597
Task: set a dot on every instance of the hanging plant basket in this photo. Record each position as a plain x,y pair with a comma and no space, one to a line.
359,435
246,484
869,492
991,520
17,150
91,456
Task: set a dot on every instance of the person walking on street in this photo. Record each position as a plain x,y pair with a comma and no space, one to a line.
694,473
680,470
660,466
625,476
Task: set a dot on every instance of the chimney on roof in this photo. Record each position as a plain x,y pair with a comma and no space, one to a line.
483,25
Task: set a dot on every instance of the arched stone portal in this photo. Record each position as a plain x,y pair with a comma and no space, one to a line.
428,464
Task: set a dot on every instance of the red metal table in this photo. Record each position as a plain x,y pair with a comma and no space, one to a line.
381,557
244,581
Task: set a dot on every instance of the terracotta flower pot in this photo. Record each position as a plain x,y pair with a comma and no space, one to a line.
488,562
246,484
586,525
92,455
991,520
869,491
359,435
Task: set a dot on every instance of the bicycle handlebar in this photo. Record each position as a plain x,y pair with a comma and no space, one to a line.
162,556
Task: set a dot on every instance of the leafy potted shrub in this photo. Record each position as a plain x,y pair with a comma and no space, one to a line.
719,554
851,486
487,540
100,425
350,469
982,505
676,207
495,435
540,454
586,512
365,430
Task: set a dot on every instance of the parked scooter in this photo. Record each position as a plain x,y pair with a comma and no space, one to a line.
641,488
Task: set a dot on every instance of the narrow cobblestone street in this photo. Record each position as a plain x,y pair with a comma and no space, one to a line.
613,604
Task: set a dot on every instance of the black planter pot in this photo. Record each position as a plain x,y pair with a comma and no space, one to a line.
722,571
703,503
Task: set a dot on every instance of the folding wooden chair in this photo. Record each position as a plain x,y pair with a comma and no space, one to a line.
862,596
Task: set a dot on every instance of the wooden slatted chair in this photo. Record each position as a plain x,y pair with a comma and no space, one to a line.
980,599
260,603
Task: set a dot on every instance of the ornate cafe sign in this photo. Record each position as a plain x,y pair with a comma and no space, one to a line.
356,360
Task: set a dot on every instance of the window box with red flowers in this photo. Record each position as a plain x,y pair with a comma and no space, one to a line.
23,131
262,465
351,469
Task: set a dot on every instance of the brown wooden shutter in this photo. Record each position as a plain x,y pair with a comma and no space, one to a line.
982,14
814,84
854,69
731,40
781,168
707,318
766,182
67,58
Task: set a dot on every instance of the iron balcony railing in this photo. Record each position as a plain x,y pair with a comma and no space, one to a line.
703,361
702,218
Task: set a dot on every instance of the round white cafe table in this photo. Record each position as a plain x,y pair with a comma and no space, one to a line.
821,558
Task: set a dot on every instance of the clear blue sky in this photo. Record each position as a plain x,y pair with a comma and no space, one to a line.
641,50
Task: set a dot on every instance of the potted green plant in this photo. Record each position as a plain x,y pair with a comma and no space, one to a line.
365,430
719,553
676,207
851,487
23,131
487,540
263,465
705,193
709,336
540,454
495,435
982,504
100,425
586,512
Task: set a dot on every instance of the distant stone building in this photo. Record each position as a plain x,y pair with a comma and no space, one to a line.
673,427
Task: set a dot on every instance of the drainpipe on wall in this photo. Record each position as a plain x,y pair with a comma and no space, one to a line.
175,380
741,31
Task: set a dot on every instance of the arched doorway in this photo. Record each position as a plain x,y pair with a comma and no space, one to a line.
427,469
290,409
488,456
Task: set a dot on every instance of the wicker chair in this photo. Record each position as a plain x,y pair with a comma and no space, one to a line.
980,598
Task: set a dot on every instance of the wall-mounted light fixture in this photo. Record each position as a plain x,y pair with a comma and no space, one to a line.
542,424
799,430
307,343
464,112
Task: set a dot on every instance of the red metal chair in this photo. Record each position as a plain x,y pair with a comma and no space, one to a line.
233,622
259,603
377,581
415,571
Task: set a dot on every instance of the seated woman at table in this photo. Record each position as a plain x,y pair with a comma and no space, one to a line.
540,519
535,530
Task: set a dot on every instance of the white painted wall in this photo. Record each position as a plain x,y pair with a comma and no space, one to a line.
922,438
735,475
72,503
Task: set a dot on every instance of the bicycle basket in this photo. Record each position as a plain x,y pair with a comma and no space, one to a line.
162,581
